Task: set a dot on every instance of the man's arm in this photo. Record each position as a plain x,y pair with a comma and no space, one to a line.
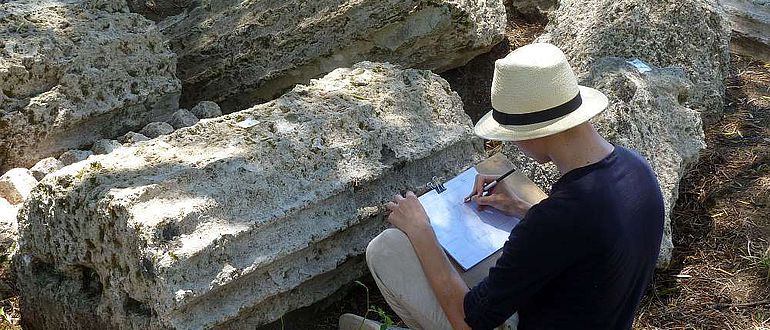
408,215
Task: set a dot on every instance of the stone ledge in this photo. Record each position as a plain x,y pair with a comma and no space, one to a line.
235,215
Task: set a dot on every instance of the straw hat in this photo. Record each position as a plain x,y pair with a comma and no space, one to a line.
534,94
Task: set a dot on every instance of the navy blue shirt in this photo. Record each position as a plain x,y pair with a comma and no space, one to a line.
581,258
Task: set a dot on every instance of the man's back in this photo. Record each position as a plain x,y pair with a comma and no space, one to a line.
582,257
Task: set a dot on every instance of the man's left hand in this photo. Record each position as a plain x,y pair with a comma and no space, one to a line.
407,214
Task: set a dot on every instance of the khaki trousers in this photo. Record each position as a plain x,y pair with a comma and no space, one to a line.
399,276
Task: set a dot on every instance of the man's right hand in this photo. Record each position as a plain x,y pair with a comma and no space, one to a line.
498,197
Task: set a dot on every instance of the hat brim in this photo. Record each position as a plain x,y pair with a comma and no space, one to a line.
594,102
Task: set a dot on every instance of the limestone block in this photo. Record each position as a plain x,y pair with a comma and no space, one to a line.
132,137
649,112
751,27
238,219
16,185
74,156
206,109
44,167
182,118
534,7
239,53
156,129
111,6
691,34
158,9
71,75
104,146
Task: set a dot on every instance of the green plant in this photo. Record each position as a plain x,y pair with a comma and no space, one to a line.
387,322
760,261
3,316
764,263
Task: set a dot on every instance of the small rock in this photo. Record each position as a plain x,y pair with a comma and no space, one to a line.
182,118
44,167
9,226
74,156
132,137
206,109
16,185
104,146
156,129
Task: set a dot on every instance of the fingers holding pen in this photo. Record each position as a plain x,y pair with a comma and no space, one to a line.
481,182
478,187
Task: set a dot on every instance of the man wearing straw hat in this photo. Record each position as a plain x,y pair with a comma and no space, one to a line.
579,259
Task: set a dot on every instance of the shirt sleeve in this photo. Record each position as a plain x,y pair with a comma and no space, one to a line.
539,248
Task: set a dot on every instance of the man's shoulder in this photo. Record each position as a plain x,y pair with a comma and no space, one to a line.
555,214
631,157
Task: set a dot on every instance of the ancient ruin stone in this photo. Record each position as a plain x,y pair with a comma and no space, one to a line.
156,129
74,156
16,185
751,27
70,75
44,167
104,146
182,118
236,220
158,9
112,6
206,109
239,53
691,34
132,137
533,7
649,112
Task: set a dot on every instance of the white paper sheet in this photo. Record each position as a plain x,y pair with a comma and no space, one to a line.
467,235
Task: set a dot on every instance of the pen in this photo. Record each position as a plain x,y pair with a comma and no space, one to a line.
489,186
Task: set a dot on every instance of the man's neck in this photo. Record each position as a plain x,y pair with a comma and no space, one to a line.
578,147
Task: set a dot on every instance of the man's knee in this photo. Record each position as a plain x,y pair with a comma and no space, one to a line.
386,245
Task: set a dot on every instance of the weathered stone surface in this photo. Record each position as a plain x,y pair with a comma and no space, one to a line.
182,118
104,146
132,137
9,231
649,112
70,75
691,34
156,129
238,53
206,109
236,220
112,6
44,167
16,185
158,9
751,27
74,156
533,7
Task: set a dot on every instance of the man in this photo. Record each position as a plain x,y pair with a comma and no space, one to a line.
579,259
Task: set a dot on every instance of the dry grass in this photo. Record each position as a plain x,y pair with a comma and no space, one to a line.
719,277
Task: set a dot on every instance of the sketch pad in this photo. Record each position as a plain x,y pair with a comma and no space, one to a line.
467,234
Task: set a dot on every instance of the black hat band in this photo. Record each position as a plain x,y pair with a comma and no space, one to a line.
538,116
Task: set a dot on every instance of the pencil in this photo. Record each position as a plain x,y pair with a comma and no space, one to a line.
489,186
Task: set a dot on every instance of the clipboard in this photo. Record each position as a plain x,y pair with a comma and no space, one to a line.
467,235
